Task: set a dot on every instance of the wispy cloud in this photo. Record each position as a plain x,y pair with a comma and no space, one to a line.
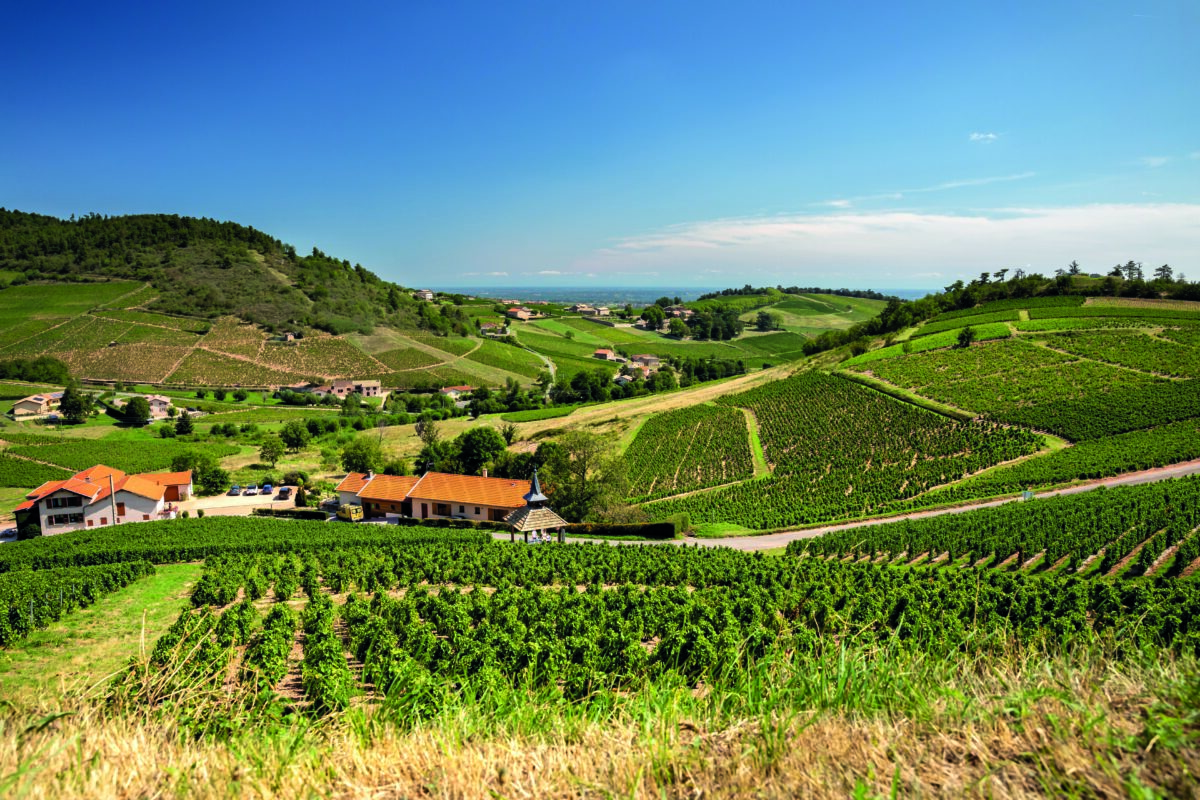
874,248
983,138
498,274
1153,161
547,272
945,186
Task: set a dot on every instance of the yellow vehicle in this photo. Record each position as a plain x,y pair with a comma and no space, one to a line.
349,512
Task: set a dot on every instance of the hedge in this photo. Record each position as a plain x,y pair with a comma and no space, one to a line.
648,530
292,513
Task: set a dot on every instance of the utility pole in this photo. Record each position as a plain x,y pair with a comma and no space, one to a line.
112,498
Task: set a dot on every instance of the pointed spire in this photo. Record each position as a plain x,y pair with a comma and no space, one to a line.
535,495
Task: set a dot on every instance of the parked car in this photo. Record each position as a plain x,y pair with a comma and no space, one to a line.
267,489
234,491
252,489
285,493
331,504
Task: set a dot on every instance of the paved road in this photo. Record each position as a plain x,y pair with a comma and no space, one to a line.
769,541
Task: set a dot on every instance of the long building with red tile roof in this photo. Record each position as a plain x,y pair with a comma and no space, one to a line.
100,496
434,495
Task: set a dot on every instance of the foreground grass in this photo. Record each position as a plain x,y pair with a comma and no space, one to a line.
87,646
850,723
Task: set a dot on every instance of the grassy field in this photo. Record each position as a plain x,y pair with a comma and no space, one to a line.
88,646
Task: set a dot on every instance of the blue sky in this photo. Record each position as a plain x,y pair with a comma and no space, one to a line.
891,145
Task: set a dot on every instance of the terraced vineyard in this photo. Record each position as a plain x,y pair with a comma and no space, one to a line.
1133,350
840,450
130,456
692,448
1081,533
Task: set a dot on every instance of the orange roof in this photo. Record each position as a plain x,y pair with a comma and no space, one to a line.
439,486
352,482
25,505
388,487
135,484
168,478
99,472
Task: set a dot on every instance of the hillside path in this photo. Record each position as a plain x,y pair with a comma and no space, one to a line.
770,541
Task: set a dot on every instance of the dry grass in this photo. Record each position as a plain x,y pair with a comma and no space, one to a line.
1062,738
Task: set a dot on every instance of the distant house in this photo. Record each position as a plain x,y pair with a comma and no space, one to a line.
602,311
582,308
510,302
100,496
607,355
423,294
491,328
623,379
519,313
647,360
159,405
434,495
37,404
453,392
368,388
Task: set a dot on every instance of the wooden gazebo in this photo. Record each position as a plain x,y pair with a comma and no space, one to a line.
534,515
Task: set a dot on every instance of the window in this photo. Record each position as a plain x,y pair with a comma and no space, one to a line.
65,519
441,509
104,520
91,522
120,509
477,511
71,501
496,514
462,510
145,517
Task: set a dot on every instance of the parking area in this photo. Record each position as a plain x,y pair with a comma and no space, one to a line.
223,505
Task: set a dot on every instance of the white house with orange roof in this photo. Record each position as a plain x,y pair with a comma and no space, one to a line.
434,495
100,496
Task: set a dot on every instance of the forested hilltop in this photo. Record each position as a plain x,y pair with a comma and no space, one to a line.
205,268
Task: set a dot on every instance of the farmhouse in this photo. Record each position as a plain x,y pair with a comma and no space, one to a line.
582,308
647,360
453,392
604,354
423,294
603,311
37,404
434,495
519,313
341,388
100,496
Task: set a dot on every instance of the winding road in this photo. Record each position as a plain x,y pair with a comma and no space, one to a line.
770,541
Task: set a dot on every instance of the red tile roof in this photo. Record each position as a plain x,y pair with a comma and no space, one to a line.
471,489
439,487
168,478
393,488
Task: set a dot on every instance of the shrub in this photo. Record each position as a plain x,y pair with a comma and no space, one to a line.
649,530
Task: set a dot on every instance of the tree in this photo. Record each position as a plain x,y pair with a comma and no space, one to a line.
301,497
677,328
654,316
352,405
1163,273
184,425
428,432
766,321
207,474
240,395
1073,268
966,336
509,432
137,411
219,394
294,435
362,455
271,450
583,474
478,447
201,394
75,406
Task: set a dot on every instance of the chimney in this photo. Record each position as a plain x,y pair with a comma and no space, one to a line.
485,472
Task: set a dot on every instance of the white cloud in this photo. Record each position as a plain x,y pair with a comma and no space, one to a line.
498,274
838,203
985,138
1153,161
845,203
908,246
547,272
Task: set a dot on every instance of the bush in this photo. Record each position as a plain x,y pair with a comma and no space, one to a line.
199,513
475,524
186,515
292,513
295,477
